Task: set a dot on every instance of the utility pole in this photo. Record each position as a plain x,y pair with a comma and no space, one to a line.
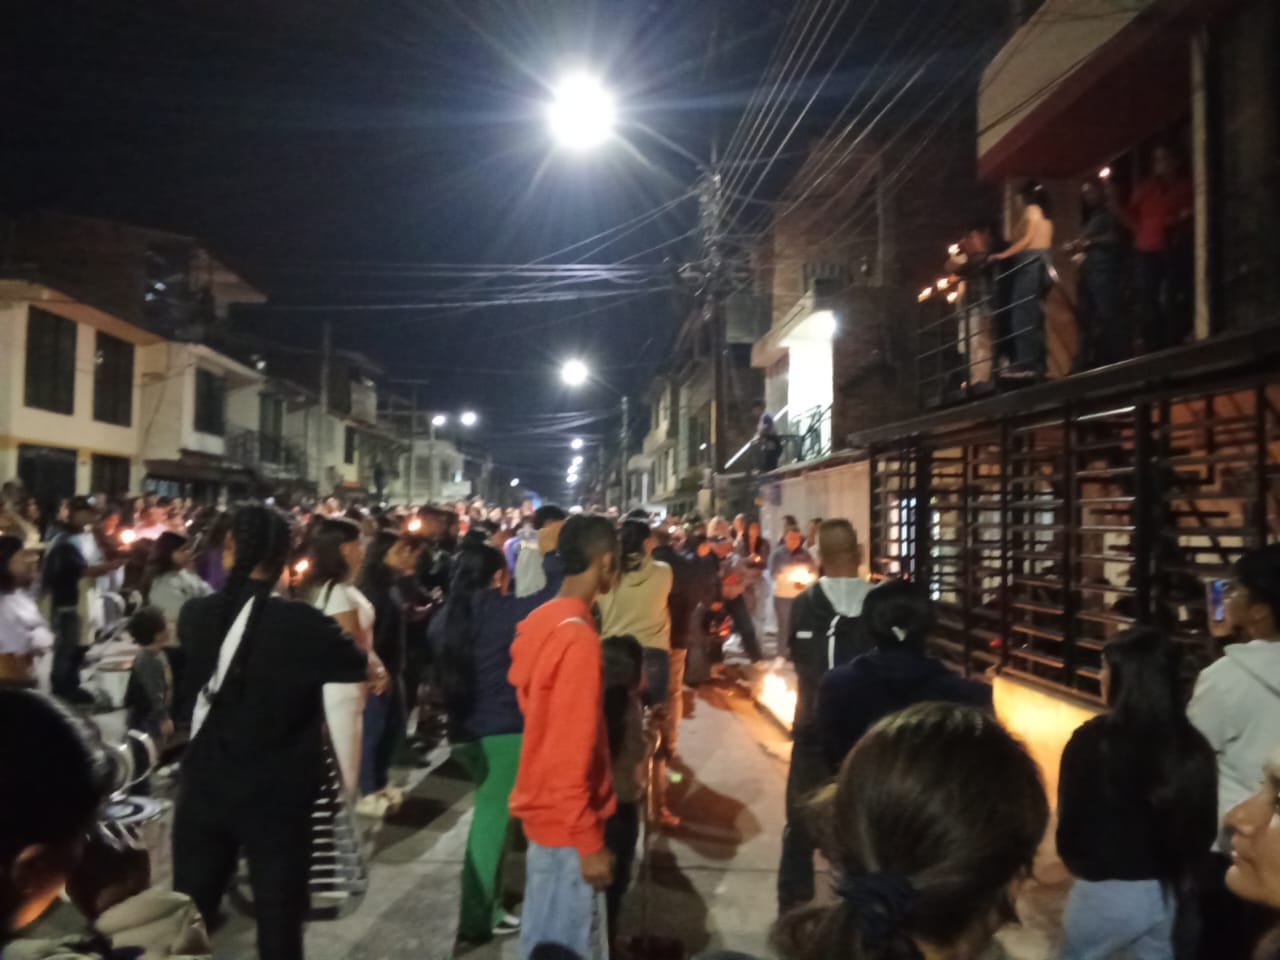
322,422
711,214
713,312
626,416
413,444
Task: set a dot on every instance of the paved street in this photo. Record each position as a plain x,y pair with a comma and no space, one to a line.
713,877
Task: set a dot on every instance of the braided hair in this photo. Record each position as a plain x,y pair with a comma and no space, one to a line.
262,541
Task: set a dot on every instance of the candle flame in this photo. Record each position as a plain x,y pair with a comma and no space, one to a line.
128,537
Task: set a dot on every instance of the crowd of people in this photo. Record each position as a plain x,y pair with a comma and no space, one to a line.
281,654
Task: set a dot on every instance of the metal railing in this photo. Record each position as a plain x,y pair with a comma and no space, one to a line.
964,343
812,442
265,453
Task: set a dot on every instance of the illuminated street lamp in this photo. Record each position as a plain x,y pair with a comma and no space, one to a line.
574,373
576,444
515,481
468,418
581,113
439,420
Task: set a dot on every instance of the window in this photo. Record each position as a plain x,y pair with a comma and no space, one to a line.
211,403
349,446
51,362
271,427
109,475
112,380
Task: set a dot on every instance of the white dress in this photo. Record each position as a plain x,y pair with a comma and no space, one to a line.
344,702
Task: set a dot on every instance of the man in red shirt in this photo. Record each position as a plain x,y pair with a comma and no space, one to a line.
563,792
1158,214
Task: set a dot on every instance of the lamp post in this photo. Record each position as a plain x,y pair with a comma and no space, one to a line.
575,373
468,418
582,115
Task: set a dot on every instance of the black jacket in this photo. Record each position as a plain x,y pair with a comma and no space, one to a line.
686,590
856,695
820,639
262,741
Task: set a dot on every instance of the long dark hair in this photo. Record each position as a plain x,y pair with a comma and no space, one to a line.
9,547
1034,192
262,541
898,605
1152,749
632,536
376,578
473,572
328,565
933,815
160,559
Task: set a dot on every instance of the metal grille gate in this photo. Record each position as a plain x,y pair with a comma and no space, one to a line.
1041,536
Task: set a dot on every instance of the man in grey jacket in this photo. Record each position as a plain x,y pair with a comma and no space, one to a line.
1236,706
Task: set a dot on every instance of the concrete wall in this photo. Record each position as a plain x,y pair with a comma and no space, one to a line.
840,491
1042,720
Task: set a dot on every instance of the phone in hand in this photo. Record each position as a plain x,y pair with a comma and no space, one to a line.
1216,607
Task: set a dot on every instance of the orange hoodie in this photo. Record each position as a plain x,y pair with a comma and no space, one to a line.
563,792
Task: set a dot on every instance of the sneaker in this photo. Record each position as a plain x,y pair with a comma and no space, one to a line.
665,818
508,925
372,805
394,797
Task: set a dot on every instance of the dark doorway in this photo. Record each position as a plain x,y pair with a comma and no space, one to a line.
110,475
48,473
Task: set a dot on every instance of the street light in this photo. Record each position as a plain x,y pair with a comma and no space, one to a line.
468,418
439,420
577,461
576,444
515,481
574,373
582,113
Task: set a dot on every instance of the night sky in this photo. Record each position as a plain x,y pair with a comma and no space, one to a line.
330,148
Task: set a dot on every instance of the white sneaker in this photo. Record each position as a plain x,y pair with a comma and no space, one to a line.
373,805
508,925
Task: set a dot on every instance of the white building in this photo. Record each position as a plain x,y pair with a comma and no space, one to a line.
70,393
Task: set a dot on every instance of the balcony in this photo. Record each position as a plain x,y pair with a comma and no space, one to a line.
810,441
271,456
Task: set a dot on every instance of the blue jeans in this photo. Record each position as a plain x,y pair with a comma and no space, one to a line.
383,723
1107,917
1026,310
561,912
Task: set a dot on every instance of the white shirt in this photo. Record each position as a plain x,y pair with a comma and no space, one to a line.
336,598
93,555
23,630
151,532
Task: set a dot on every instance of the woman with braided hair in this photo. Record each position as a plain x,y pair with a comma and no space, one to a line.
256,761
931,827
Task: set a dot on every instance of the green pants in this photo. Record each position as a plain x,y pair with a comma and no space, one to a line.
491,762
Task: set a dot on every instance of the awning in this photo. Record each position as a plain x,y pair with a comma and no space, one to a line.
1083,81
199,469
